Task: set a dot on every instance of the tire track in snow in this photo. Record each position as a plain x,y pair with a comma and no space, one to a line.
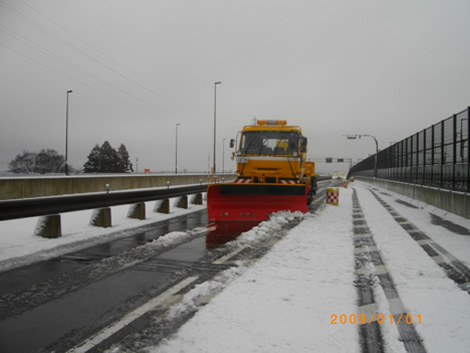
369,267
453,267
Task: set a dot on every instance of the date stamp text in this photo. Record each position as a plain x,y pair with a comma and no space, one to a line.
380,318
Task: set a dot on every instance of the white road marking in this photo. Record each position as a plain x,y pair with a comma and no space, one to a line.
380,270
365,249
230,255
126,320
396,306
438,259
369,310
362,235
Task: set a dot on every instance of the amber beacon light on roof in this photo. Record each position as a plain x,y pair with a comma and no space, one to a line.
273,174
272,122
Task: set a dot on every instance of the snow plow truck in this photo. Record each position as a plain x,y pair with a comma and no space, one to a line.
272,175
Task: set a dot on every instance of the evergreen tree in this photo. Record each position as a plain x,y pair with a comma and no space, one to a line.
92,165
106,159
110,161
125,160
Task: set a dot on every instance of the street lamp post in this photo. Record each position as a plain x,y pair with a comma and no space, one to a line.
223,155
215,119
67,134
353,137
176,150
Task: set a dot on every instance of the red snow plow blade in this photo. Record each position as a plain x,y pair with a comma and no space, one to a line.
223,232
253,202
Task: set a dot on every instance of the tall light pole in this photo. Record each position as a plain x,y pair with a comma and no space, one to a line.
223,155
67,134
215,118
176,150
353,137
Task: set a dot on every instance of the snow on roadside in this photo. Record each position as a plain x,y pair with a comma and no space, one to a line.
19,247
422,285
263,232
284,302
420,214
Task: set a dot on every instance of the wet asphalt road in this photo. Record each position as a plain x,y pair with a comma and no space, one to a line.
63,300
54,305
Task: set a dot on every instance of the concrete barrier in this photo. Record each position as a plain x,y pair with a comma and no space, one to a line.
49,227
137,211
28,186
452,201
182,202
197,199
162,206
101,217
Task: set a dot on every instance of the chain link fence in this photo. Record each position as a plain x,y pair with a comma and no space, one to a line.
436,156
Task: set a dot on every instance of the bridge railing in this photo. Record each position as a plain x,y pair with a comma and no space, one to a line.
437,156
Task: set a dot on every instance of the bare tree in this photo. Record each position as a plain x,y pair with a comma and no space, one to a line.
46,161
49,161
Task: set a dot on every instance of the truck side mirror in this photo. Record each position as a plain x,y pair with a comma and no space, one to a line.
303,144
232,143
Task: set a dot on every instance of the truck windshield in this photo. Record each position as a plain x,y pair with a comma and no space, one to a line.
269,142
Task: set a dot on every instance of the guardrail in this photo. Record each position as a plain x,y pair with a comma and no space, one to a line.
324,177
43,206
49,208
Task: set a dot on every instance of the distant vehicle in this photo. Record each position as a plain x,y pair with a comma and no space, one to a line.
273,175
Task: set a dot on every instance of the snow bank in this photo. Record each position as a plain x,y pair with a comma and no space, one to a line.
266,230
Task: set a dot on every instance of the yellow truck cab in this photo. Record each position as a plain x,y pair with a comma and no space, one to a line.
273,175
271,151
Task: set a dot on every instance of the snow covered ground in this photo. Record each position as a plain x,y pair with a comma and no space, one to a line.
286,300
19,246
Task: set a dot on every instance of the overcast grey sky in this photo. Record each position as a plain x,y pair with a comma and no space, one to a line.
137,68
